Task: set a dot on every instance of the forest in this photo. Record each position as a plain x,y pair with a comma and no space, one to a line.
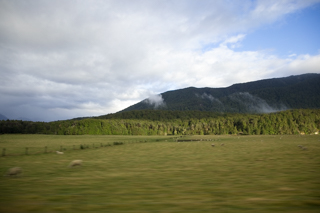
264,96
161,122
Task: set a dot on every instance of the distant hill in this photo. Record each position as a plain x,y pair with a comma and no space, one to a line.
23,119
263,96
2,117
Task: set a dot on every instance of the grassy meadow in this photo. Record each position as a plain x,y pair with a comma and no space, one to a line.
159,174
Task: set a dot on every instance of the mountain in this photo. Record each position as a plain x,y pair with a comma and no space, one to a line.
23,119
263,96
2,117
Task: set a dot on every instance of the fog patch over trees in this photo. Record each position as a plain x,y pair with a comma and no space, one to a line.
156,100
210,97
254,103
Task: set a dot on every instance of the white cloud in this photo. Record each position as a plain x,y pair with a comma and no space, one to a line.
156,100
304,63
234,39
80,58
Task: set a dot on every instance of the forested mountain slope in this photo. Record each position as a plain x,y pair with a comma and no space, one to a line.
264,96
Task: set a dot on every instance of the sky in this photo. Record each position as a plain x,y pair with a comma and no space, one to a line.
65,59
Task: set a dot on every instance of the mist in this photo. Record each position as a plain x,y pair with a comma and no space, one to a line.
210,97
254,103
156,100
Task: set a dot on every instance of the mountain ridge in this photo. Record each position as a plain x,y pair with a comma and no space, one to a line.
266,95
2,117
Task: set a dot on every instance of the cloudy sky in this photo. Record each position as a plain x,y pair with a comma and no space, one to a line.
65,59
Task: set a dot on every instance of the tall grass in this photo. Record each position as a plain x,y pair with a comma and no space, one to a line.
247,174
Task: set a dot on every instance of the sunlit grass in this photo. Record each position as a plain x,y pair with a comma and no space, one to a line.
247,174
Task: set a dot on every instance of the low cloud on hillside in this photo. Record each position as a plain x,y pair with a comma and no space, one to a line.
156,101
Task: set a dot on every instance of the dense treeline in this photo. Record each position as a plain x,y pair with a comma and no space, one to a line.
156,122
162,115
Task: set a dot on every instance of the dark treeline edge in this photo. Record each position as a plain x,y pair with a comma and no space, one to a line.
152,122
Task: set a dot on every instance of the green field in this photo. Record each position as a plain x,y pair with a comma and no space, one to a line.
158,174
